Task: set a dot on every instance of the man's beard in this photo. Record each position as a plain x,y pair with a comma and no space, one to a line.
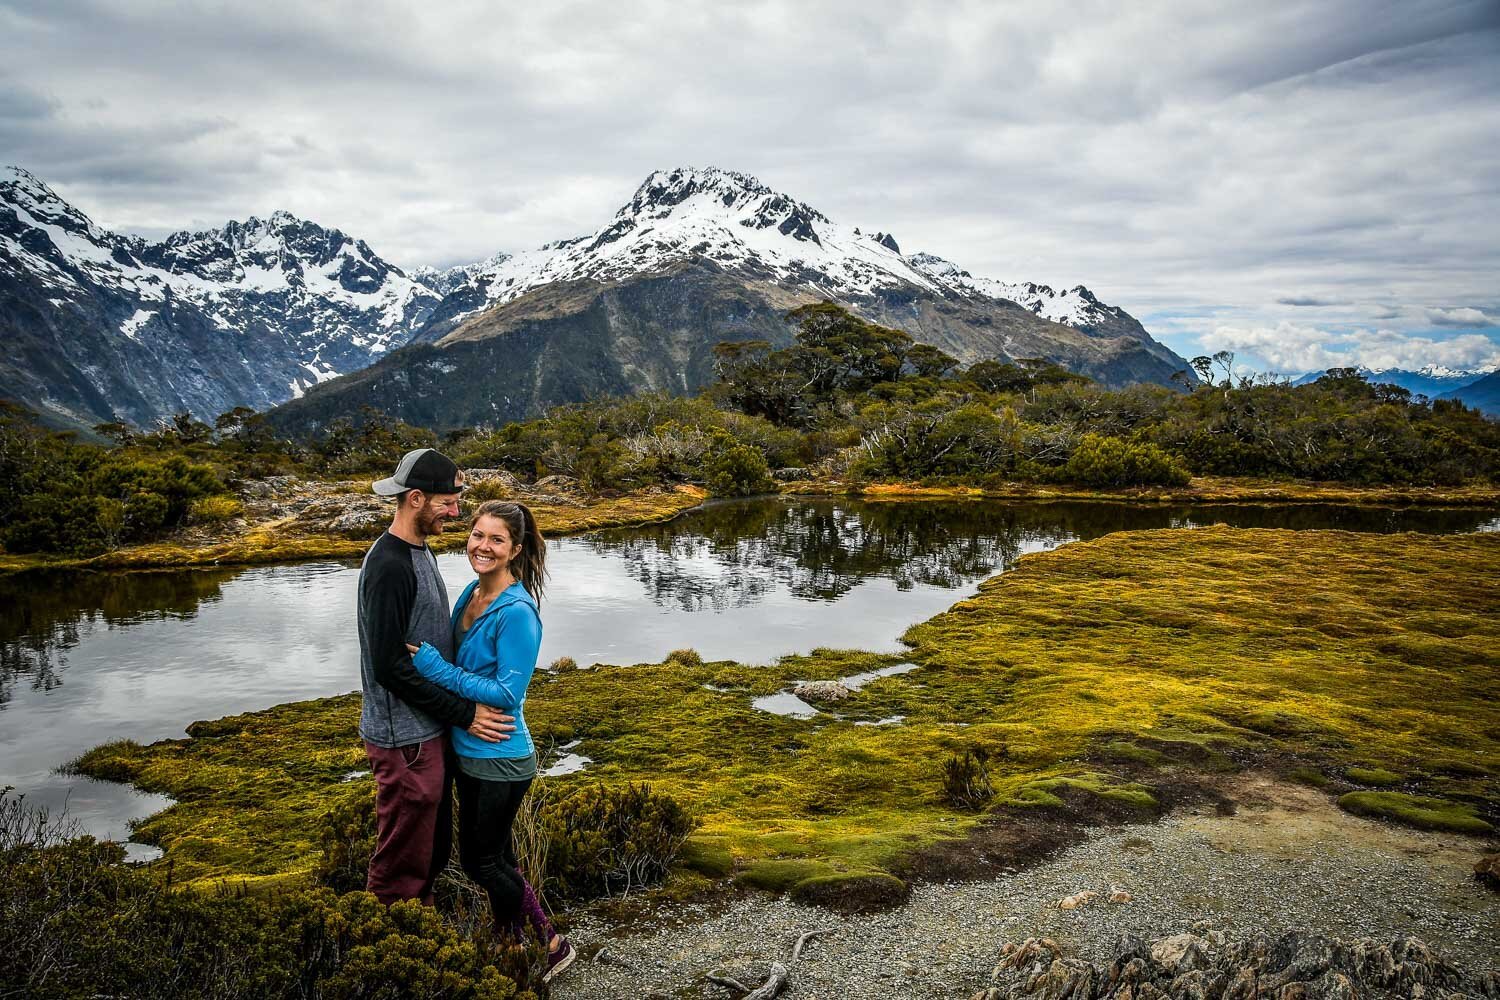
431,523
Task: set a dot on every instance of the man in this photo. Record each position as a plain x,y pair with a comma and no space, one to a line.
405,718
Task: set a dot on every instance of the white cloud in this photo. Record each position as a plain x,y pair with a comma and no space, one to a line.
1292,348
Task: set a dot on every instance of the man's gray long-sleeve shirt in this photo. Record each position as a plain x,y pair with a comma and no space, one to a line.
402,599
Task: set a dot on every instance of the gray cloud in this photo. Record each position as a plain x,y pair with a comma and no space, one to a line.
1464,319
1188,161
1308,300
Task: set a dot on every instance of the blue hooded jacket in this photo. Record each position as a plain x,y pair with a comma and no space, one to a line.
495,664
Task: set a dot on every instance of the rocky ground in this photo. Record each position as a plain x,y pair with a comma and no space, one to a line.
1287,860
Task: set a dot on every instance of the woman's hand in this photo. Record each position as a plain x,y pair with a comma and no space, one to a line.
413,649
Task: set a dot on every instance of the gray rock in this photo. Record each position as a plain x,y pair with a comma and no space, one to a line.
824,691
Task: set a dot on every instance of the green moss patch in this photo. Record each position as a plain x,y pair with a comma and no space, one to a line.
1372,776
713,860
1309,776
1086,794
1411,810
781,875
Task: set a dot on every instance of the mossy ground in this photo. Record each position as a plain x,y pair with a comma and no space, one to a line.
1096,677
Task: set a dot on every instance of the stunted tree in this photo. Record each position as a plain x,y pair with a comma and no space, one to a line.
927,361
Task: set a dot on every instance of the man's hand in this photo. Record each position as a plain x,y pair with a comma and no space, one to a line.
491,724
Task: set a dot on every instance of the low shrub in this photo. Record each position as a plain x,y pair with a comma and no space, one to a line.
1101,460
603,840
347,838
966,782
215,509
732,469
78,923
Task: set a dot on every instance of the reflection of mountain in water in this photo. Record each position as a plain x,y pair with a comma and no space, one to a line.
735,554
46,614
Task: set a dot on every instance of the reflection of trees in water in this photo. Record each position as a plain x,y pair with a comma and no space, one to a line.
47,614
734,554
1305,517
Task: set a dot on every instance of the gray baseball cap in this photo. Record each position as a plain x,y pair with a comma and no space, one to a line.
425,469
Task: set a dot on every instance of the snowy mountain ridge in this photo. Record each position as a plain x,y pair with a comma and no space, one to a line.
736,221
331,296
1430,380
252,313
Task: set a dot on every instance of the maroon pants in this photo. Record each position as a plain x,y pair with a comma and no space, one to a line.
413,819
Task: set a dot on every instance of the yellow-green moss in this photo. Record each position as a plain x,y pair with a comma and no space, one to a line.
1051,792
1372,776
780,876
1414,810
1197,648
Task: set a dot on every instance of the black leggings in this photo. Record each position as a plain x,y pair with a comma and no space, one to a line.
486,812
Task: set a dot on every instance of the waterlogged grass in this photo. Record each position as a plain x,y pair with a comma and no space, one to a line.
1095,678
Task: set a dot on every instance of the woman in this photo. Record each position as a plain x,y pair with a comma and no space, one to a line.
497,631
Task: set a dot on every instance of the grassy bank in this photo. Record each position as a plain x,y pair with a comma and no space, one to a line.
281,540
1200,490
1095,681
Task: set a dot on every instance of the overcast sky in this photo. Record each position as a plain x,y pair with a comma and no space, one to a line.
1306,183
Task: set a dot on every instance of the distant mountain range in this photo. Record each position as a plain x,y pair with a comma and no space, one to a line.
102,326
1482,394
1432,381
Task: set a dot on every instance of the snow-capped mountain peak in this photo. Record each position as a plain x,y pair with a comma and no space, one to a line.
24,191
739,223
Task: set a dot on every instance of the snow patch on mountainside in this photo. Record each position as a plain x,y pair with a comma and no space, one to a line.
132,326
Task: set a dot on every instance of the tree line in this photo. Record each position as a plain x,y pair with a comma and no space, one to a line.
847,400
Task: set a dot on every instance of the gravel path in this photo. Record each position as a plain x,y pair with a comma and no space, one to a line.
1288,859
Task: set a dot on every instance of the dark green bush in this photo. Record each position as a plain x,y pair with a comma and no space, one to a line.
347,838
731,469
75,922
604,840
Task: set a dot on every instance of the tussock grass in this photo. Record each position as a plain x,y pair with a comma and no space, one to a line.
1094,676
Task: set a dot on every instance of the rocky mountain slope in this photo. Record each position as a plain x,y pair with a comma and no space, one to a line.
695,258
101,326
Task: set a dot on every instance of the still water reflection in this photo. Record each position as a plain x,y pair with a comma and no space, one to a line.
91,657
